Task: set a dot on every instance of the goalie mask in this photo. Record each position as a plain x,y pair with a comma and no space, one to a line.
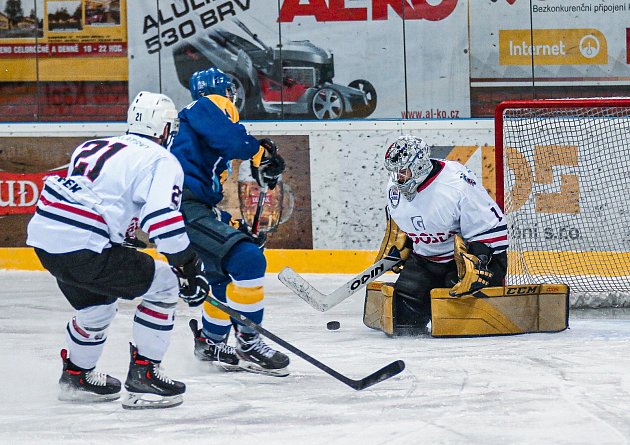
211,81
153,115
407,161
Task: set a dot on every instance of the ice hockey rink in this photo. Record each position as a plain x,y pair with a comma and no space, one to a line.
571,387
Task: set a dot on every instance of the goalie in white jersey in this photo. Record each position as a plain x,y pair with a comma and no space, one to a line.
434,208
114,186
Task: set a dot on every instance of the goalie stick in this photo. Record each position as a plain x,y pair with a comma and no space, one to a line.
384,373
323,302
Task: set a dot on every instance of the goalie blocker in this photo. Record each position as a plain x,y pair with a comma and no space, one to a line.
499,310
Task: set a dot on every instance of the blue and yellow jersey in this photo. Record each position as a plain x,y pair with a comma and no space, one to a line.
209,137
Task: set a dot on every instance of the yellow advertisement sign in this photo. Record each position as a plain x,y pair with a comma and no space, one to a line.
63,40
585,46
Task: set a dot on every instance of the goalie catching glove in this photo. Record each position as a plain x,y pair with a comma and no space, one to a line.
472,271
267,165
193,286
395,243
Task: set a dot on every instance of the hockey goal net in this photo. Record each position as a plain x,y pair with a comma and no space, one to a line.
565,170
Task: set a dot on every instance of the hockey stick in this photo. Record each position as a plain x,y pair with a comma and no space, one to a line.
384,373
322,302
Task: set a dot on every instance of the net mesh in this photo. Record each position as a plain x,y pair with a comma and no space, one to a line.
567,177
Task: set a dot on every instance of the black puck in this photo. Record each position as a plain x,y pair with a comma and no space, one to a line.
333,325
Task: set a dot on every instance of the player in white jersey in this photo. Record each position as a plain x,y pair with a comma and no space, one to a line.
431,203
114,186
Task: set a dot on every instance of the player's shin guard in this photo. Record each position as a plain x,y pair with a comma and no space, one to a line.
86,334
155,315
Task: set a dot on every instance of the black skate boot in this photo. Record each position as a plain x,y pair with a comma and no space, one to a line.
258,357
85,385
217,353
148,387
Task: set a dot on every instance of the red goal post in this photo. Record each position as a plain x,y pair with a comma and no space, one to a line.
563,179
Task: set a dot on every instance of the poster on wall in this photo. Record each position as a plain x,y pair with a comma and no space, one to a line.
63,40
560,48
309,60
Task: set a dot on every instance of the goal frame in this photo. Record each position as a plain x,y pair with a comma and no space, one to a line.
606,298
537,103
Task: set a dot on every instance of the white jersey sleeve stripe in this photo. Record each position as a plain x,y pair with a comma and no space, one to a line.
496,238
150,216
169,234
163,223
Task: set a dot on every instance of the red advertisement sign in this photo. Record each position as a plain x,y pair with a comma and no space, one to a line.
19,192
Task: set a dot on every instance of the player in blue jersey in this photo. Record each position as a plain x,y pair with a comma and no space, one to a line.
210,137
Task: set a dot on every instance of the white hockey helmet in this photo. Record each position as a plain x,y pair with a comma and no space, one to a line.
148,115
407,161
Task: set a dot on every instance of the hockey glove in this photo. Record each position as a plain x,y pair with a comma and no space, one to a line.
134,243
472,271
241,225
395,243
267,165
193,286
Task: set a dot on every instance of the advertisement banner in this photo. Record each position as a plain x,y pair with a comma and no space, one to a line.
63,40
287,218
19,192
568,42
309,60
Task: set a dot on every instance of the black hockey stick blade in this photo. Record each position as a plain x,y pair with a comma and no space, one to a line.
384,373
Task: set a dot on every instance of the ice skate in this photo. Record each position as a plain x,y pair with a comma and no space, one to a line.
85,385
258,357
149,387
219,354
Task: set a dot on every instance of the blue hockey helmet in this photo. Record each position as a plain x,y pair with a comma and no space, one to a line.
211,81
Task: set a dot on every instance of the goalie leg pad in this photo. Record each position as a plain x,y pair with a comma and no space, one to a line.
405,307
377,310
501,310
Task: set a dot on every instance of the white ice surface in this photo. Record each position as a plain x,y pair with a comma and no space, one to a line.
566,388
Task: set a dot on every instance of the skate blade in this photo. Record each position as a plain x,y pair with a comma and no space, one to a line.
226,367
254,368
136,400
78,396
